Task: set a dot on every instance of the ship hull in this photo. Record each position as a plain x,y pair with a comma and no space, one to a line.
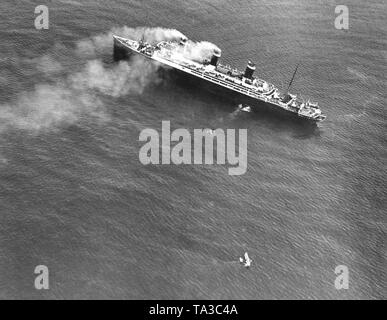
122,52
230,96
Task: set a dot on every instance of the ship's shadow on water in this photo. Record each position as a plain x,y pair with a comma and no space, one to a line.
187,93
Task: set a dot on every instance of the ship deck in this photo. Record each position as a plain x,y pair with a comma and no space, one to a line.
223,80
272,96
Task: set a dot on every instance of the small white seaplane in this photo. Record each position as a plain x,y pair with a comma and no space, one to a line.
245,260
244,107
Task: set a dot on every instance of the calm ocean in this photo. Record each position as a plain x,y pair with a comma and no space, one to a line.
75,197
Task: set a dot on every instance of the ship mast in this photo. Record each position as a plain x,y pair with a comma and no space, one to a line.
142,41
291,80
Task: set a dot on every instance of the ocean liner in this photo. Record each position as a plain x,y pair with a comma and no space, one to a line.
249,88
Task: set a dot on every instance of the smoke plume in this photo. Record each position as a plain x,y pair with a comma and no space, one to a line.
199,51
69,96
102,43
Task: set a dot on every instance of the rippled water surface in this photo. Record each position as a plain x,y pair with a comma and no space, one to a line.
74,196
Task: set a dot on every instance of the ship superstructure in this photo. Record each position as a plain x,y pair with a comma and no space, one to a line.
171,53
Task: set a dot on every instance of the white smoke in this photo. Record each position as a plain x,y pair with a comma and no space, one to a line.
198,51
49,107
122,79
48,65
102,43
77,95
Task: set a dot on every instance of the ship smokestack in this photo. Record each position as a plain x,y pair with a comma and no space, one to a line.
249,70
215,58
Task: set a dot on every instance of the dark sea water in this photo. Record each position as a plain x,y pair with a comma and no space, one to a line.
75,197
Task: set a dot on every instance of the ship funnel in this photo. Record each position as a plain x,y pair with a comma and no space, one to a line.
215,58
249,70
